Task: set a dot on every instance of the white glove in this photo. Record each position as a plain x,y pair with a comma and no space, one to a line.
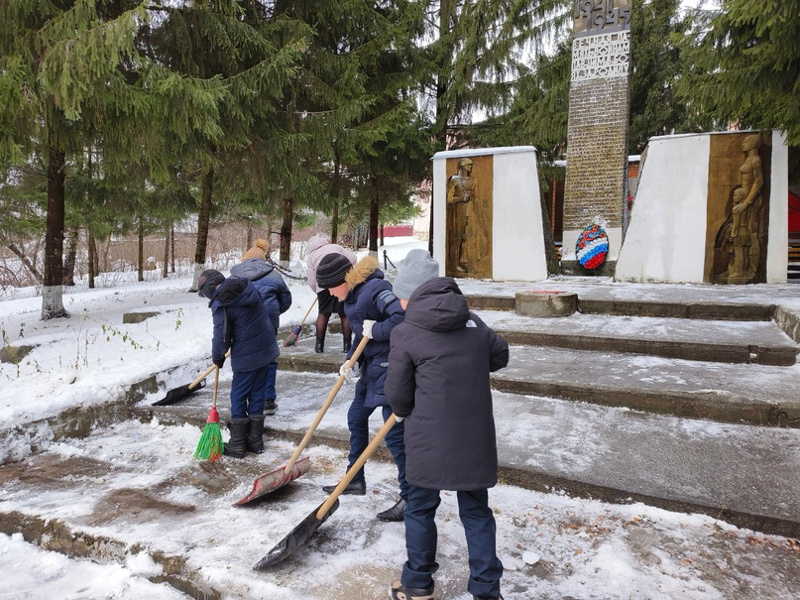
348,373
366,328
398,419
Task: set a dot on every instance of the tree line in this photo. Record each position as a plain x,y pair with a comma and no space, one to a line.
132,115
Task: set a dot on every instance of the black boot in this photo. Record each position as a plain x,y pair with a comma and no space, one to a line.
396,513
400,592
318,347
237,446
347,345
354,488
255,434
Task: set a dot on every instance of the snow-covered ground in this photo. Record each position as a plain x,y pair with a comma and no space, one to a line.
552,546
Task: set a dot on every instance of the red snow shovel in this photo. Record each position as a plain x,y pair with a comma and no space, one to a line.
301,534
179,393
272,480
292,337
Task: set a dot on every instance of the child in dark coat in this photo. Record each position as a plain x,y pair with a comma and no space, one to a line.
241,324
438,385
373,311
277,300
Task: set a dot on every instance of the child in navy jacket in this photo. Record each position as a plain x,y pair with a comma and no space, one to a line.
242,326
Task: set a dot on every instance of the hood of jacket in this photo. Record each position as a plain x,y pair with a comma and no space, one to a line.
316,242
252,269
438,305
366,268
236,292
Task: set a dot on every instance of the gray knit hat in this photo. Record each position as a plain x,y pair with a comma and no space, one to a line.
332,269
415,269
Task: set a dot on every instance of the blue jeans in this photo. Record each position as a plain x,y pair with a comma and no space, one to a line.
358,424
247,392
272,374
485,569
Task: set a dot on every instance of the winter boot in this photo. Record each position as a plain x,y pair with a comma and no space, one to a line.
354,488
237,446
498,597
395,513
255,434
270,407
398,591
318,347
348,342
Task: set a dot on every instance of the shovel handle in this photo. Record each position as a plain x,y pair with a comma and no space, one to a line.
351,472
325,405
206,373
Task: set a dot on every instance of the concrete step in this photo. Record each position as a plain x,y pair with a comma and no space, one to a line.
753,338
744,474
760,342
757,394
723,311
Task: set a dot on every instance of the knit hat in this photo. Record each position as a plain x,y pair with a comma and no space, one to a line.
332,269
415,269
259,250
208,282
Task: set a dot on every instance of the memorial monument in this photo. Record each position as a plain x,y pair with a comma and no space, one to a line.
597,131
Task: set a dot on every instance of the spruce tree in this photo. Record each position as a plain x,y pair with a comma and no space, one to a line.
744,67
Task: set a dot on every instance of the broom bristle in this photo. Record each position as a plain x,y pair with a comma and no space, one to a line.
210,445
290,340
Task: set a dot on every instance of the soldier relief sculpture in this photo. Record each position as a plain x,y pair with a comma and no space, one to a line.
468,224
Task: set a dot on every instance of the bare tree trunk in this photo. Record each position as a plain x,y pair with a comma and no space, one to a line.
286,232
92,259
172,238
72,251
140,270
165,266
337,176
203,220
249,242
52,288
374,205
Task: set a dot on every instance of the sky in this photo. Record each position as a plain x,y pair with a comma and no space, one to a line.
553,546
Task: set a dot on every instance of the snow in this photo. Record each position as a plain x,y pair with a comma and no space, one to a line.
552,546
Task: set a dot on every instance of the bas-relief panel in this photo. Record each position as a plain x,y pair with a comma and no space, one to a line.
738,208
469,217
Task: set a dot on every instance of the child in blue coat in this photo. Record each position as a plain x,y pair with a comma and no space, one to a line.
242,325
373,311
277,300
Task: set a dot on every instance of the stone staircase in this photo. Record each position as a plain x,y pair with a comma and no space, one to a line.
686,406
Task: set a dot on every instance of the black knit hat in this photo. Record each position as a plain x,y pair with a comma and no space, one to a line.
332,269
208,282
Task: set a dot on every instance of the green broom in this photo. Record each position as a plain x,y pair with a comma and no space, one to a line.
210,445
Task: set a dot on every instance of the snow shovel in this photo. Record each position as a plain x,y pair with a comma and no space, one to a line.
301,534
272,480
179,393
292,337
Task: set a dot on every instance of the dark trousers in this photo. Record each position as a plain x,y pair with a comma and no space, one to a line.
358,424
247,392
485,569
272,375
